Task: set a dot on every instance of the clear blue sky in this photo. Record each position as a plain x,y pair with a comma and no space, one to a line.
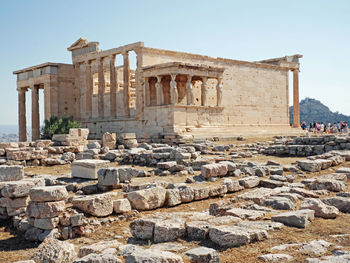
37,31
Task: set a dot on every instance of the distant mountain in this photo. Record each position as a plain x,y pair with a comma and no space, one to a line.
313,110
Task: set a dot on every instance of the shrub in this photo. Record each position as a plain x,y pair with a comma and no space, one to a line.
58,126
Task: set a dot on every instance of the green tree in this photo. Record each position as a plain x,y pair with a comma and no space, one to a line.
58,126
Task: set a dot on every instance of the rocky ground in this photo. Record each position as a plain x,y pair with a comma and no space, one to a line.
275,209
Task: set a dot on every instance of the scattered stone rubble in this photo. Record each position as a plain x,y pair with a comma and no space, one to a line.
268,196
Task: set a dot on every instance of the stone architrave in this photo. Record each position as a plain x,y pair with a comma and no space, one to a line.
159,91
189,90
219,93
174,94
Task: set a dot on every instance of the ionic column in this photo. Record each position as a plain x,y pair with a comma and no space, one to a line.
89,89
204,91
77,87
159,91
147,92
296,121
22,123
174,94
126,79
101,88
113,87
219,92
189,90
35,113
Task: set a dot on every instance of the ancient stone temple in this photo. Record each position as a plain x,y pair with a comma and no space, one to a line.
168,92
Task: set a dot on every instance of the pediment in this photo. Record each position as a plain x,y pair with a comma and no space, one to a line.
81,42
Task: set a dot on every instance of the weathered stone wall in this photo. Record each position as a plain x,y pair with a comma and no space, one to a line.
252,94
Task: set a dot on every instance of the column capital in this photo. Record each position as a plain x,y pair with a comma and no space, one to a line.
21,90
125,53
159,78
173,76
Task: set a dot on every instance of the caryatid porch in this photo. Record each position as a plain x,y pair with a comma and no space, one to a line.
182,84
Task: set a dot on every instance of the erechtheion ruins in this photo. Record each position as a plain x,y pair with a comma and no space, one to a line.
168,93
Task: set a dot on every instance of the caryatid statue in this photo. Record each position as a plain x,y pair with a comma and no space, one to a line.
189,90
174,94
219,92
159,91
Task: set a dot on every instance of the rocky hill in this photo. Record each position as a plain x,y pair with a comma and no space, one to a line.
313,110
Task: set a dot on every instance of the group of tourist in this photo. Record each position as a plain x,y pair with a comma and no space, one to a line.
321,127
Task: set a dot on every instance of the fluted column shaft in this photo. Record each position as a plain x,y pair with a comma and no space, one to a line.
296,120
22,123
89,89
126,79
101,89
35,113
113,87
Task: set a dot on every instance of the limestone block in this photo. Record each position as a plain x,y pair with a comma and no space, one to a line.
96,205
172,197
98,248
153,256
109,140
186,193
299,218
45,210
342,203
11,173
127,136
108,177
280,203
250,181
197,230
232,236
46,223
121,206
147,199
213,170
245,213
48,193
143,228
43,143
87,168
310,166
203,254
320,208
275,258
201,192
17,189
328,184
54,251
15,211
14,202
232,186
217,190
168,230
258,195
106,256
166,165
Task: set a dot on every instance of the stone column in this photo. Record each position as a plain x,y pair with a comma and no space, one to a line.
204,91
159,91
296,121
174,94
126,79
77,87
189,90
22,123
140,95
101,88
113,87
89,89
219,92
147,92
35,113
